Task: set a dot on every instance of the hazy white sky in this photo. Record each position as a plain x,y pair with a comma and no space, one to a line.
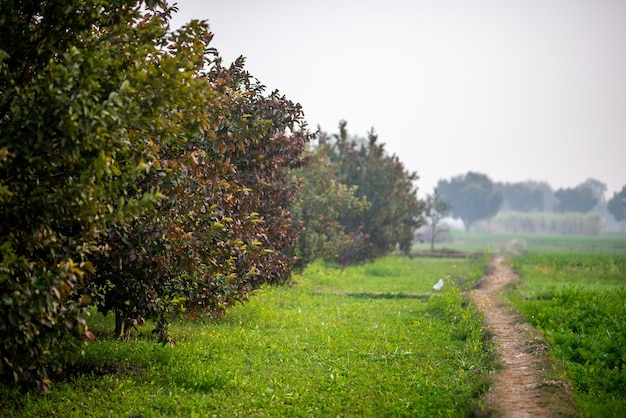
518,90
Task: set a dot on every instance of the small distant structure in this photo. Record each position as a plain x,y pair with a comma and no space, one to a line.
439,285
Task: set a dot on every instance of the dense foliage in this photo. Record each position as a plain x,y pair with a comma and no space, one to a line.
66,115
578,199
472,197
322,201
135,173
394,212
224,228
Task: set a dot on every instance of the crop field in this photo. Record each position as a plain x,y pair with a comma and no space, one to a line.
579,302
574,291
610,244
370,340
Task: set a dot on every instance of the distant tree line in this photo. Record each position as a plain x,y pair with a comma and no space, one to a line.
531,196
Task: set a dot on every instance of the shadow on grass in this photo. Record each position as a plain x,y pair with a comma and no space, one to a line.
88,368
445,253
386,295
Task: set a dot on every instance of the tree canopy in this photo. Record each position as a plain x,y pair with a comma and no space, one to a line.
322,201
137,174
394,211
472,197
597,187
521,197
578,199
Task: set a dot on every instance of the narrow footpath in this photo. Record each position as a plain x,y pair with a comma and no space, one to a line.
517,388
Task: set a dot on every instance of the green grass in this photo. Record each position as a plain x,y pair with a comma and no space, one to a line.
370,340
579,302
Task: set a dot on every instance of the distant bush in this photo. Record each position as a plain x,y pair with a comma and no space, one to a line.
542,223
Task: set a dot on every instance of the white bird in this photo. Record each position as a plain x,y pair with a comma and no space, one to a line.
439,285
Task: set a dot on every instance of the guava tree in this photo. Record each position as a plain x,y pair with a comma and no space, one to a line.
136,173
394,213
223,227
322,200
84,85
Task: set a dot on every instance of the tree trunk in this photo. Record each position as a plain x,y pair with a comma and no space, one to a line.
123,325
433,234
119,324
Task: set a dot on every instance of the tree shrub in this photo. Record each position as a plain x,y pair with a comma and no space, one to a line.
394,213
137,174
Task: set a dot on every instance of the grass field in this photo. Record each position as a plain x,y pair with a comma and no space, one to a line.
574,291
370,340
578,301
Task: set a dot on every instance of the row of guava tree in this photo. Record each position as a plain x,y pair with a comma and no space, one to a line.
141,176
136,173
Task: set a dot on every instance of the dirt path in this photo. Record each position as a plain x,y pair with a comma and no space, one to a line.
516,389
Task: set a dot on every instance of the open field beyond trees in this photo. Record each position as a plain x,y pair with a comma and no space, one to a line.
613,244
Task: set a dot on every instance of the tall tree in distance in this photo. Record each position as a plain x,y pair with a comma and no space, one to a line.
578,199
617,205
597,187
521,197
548,200
472,197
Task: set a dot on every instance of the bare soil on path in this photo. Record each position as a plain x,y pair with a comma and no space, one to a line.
519,388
